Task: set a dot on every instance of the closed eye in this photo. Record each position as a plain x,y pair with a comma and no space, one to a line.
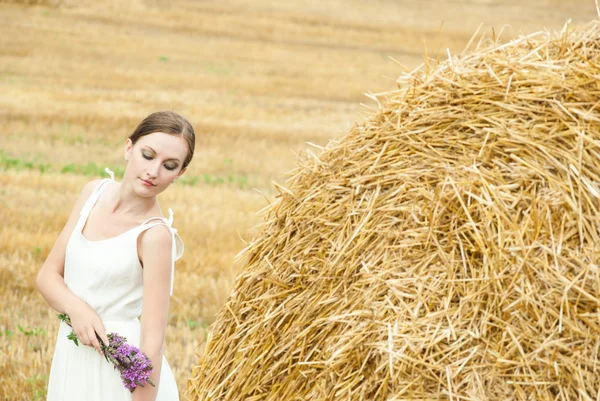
168,167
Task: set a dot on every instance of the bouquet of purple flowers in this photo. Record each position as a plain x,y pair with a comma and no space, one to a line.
133,365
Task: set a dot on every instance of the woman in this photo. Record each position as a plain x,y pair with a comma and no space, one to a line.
113,262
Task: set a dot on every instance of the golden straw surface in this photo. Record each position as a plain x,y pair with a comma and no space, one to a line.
446,248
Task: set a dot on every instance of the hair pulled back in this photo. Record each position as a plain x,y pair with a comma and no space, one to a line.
167,122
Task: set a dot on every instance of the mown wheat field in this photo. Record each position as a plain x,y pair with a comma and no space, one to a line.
260,81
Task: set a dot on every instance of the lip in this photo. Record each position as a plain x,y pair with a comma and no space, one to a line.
147,183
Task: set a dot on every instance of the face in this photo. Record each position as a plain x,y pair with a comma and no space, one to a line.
155,160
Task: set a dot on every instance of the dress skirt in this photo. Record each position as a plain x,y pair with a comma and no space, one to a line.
79,373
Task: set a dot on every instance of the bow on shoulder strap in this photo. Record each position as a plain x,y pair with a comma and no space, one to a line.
110,173
177,246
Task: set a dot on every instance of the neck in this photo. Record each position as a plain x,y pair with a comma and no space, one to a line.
125,200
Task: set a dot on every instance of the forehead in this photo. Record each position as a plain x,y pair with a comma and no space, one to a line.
169,145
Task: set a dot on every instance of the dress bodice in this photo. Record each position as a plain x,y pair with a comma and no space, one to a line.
107,273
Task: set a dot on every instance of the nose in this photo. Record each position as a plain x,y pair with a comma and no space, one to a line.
153,170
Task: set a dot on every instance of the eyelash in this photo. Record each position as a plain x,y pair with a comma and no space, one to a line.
150,158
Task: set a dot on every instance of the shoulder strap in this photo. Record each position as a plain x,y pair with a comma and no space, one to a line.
94,196
176,244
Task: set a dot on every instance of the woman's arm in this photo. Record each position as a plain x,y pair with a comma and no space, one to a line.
154,248
50,282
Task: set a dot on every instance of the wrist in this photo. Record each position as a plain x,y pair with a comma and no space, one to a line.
71,304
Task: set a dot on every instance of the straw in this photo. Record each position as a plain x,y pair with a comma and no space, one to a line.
445,248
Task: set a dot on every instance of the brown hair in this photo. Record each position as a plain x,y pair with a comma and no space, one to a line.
167,122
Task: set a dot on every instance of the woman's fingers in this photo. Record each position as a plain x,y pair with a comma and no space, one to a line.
91,334
93,340
101,331
82,336
87,336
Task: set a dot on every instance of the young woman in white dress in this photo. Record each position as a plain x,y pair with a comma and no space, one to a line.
113,263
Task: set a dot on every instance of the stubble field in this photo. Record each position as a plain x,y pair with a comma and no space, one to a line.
258,80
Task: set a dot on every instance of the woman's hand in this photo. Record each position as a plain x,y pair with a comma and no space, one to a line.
87,325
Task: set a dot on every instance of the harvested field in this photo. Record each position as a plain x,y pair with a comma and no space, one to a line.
258,81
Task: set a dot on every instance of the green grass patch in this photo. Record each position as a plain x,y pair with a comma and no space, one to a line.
36,331
18,164
38,385
6,333
194,324
92,169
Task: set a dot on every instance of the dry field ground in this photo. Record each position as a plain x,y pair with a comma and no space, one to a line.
258,80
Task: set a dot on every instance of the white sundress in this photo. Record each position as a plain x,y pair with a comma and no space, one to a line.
108,276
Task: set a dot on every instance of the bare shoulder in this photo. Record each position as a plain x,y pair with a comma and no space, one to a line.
158,236
84,195
89,187
154,246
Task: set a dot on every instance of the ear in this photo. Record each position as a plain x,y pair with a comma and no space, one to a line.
128,147
183,170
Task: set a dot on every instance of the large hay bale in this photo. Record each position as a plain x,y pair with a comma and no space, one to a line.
448,247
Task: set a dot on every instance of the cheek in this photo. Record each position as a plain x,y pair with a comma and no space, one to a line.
168,175
138,160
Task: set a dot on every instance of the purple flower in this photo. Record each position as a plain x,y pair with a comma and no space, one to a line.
133,365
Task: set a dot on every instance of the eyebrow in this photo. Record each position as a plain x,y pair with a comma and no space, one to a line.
174,159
